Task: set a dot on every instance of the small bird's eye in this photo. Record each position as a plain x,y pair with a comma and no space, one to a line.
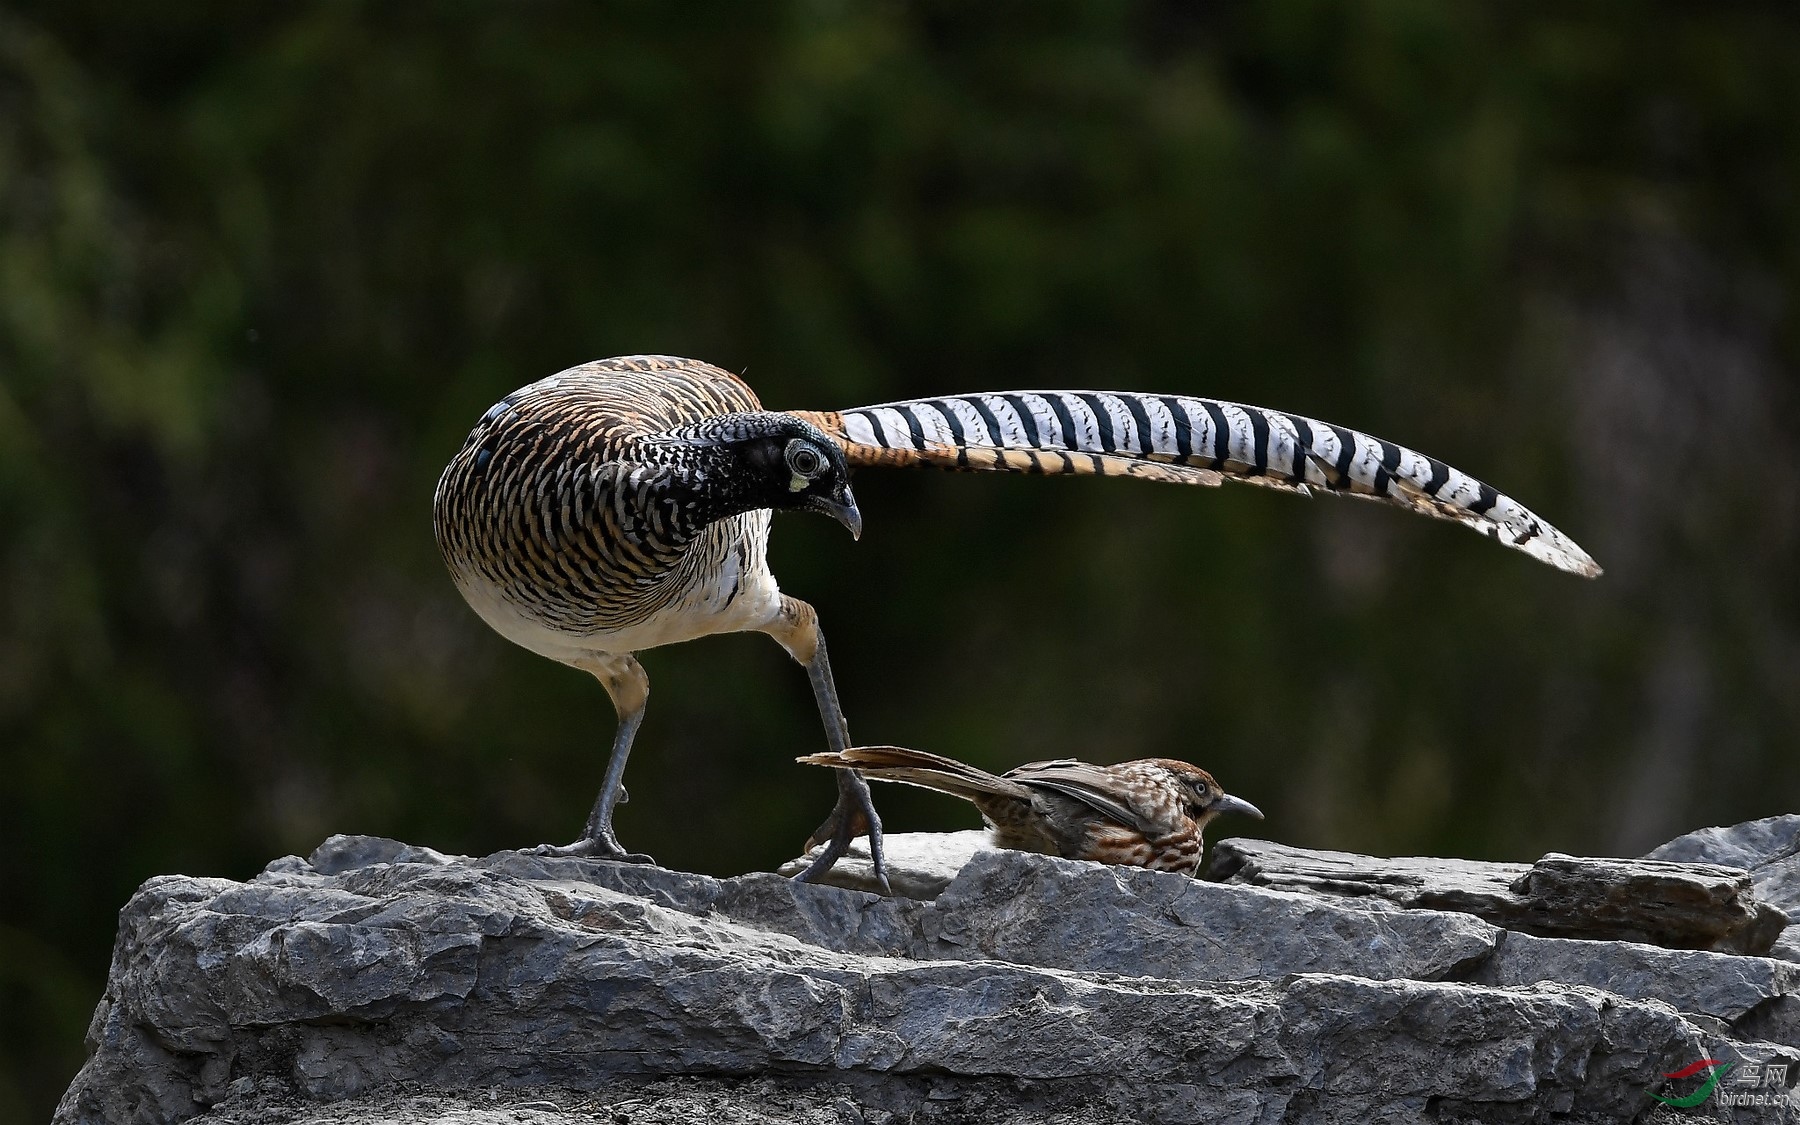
804,459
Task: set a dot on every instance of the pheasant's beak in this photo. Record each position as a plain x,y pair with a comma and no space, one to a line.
842,508
1227,803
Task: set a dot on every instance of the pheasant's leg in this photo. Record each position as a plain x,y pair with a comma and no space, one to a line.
796,627
624,680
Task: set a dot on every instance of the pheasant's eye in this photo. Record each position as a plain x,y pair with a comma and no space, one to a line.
804,459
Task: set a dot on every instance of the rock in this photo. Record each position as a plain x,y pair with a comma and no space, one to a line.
1058,913
920,864
1769,849
1679,905
1754,995
678,1101
379,982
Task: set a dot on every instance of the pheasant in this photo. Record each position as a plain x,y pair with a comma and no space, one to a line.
625,504
1147,813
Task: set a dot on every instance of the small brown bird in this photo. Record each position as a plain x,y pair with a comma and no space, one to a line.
1146,813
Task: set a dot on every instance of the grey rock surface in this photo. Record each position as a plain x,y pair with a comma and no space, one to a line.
1769,849
677,1101
922,867
1756,996
1058,913
375,981
1682,905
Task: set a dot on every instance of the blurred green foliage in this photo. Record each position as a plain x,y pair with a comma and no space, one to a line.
261,266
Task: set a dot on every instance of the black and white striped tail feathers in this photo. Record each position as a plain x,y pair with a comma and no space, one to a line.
1183,439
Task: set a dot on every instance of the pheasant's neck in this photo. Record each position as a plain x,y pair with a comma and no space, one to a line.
694,482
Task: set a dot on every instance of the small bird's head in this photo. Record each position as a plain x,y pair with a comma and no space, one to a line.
1206,797
791,464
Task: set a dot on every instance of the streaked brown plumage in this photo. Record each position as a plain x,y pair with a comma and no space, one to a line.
1145,813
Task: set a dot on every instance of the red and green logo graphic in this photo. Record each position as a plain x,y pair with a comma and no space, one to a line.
1714,1069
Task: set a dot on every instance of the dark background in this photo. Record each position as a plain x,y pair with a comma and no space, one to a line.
262,266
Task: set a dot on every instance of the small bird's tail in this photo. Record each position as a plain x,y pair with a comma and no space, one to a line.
916,767
1186,440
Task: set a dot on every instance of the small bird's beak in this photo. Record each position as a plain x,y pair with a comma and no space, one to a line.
843,509
1227,803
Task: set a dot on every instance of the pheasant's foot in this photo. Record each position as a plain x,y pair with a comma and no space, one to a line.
854,815
592,847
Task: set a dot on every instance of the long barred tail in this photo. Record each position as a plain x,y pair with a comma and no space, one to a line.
1185,440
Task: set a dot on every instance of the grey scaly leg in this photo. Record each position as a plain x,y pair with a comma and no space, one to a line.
796,627
628,685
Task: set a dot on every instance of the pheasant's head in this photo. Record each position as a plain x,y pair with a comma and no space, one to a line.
791,464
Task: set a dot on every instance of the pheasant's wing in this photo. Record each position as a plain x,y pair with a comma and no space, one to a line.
1187,440
1094,786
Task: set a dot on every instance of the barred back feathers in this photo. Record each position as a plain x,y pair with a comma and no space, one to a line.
601,508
